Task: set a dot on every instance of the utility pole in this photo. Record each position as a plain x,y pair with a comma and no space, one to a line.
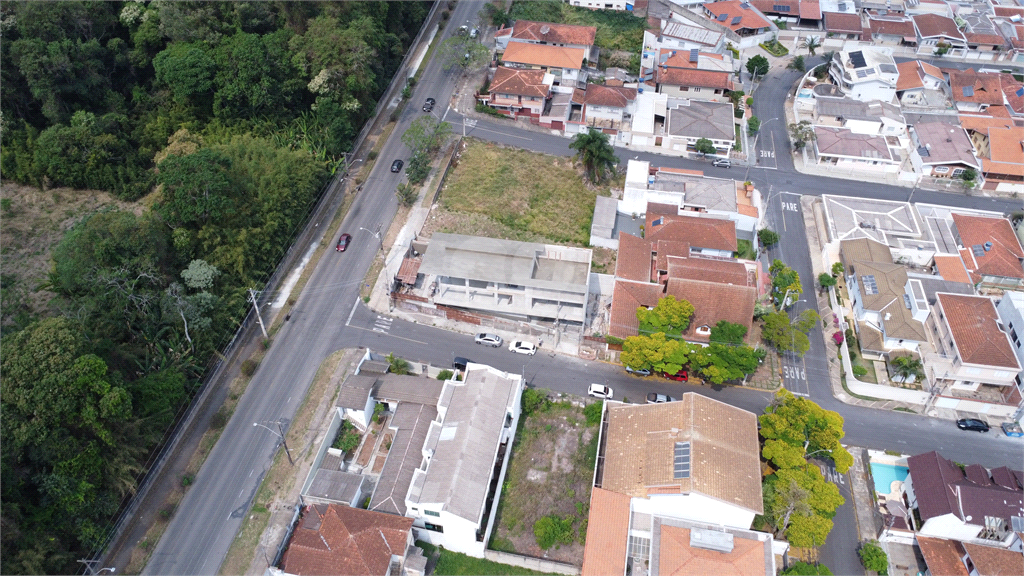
252,298
283,440
90,567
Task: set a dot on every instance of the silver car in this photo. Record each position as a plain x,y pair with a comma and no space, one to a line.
492,340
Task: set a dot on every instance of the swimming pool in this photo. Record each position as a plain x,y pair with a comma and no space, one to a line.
885,474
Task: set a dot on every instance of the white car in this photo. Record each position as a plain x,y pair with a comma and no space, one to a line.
489,339
521,347
600,391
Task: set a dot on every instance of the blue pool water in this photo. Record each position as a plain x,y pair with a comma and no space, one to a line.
884,474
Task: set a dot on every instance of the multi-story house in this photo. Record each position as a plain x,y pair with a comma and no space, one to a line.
515,91
938,34
549,34
693,120
866,74
917,80
1011,311
681,37
990,251
563,62
943,150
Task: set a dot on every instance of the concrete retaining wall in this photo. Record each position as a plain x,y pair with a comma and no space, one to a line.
539,564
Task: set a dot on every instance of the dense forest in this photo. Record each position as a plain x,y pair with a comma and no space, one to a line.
223,120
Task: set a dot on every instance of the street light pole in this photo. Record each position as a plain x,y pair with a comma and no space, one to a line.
280,435
377,234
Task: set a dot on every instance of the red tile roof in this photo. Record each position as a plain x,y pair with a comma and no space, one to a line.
942,556
607,533
1011,86
333,540
611,96
626,298
690,77
985,39
973,323
1003,259
1006,145
677,556
544,55
930,25
712,303
750,17
634,258
519,82
710,233
718,271
951,268
983,88
992,561
843,23
554,33
903,27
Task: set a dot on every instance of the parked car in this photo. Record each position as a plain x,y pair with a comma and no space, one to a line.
640,372
654,398
520,347
462,31
492,340
396,166
972,424
681,376
722,163
429,104
344,241
600,391
459,363
474,33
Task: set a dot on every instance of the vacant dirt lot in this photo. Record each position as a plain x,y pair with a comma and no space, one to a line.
34,221
550,472
513,194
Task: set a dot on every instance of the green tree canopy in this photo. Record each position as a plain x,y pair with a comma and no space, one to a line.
758,65
801,133
801,423
874,558
596,154
705,146
196,188
728,333
668,315
784,280
768,237
187,69
826,280
426,134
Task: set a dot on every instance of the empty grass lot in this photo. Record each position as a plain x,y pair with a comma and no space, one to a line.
455,564
513,194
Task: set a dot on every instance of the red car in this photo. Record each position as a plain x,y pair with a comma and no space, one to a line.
344,241
680,376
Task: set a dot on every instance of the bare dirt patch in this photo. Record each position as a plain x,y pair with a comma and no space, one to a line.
34,222
550,473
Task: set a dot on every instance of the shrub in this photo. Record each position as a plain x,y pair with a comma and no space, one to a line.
348,437
534,401
220,419
593,413
859,370
806,569
614,340
372,155
249,367
850,334
873,557
768,237
445,375
485,109
750,100
551,529
397,365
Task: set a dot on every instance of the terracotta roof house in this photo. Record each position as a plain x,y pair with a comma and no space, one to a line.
1013,94
741,17
1000,146
712,303
975,92
990,250
917,81
945,149
808,12
985,42
607,108
518,91
882,296
936,32
991,561
554,34
843,25
334,540
973,505
606,548
692,120
705,236
692,83
895,30
564,63
974,357
843,148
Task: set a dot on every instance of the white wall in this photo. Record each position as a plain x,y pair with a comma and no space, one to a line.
697,508
459,534
949,527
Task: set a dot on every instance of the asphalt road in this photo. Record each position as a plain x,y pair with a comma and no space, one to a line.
207,519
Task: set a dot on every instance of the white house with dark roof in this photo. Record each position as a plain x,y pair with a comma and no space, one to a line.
843,149
871,118
943,150
867,73
690,120
454,493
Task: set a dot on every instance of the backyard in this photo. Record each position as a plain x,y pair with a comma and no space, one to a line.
501,192
547,488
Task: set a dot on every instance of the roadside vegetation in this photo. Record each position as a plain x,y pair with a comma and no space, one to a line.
615,30
219,123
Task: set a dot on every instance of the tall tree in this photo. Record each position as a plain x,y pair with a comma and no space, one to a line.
196,188
595,153
758,65
801,423
668,315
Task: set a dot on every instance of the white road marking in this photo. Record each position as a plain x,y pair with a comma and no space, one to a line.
352,313
250,472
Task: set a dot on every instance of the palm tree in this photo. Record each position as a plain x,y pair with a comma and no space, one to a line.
596,154
812,43
907,366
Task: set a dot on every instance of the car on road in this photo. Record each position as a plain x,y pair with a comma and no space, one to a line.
429,104
722,163
655,398
638,372
521,347
972,424
600,391
396,166
344,241
492,340
462,31
474,33
459,363
681,376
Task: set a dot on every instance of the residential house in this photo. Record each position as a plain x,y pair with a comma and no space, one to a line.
520,280
892,29
739,17
974,358
894,7
1013,94
564,63
939,7
889,314
677,488
693,75
606,108
939,34
710,237
973,91
1011,311
871,118
843,25
943,150
551,34
1000,146
920,84
692,120
841,148
620,5
990,250
973,505
804,13
333,540
955,558
453,497
517,91
866,74
671,35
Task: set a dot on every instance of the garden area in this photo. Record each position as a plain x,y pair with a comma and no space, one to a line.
545,499
774,48
501,192
457,564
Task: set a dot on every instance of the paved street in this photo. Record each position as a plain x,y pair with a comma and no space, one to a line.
198,536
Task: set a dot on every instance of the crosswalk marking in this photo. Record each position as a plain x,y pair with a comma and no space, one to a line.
383,324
